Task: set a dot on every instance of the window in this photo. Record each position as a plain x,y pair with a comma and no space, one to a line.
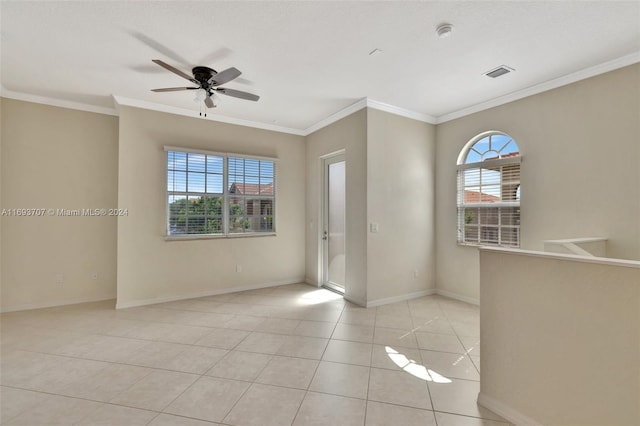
489,191
219,194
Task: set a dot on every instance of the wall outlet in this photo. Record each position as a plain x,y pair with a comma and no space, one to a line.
59,278
374,227
94,276
238,268
415,273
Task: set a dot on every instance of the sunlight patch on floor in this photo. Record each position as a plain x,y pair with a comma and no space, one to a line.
413,368
316,297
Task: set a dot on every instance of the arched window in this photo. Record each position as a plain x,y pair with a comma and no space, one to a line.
489,191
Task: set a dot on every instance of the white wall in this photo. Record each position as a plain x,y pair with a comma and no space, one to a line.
400,199
580,173
560,338
57,158
153,269
350,135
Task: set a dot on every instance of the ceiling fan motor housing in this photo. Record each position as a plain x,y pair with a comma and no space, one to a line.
203,75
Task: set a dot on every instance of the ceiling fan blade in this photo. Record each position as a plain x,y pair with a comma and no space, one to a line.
216,56
224,76
238,94
175,70
174,89
159,47
209,102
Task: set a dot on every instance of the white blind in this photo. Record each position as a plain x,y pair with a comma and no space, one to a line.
216,194
489,194
251,185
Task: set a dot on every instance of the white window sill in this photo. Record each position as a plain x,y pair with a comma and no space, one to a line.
217,237
479,245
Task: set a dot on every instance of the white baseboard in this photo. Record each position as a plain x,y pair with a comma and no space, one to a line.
355,301
456,296
311,282
156,300
503,410
43,305
401,298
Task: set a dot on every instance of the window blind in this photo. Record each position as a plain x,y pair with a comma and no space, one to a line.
488,195
219,194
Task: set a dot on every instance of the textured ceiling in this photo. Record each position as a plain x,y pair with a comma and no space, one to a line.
307,60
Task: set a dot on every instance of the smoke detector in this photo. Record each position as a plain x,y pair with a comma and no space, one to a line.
444,30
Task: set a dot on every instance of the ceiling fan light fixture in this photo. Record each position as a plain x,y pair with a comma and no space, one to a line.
444,30
200,95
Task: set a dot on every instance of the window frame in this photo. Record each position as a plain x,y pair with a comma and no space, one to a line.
226,195
462,206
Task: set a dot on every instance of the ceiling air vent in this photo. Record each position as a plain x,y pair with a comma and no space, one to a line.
497,72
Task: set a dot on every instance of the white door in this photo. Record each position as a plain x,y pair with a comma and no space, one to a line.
333,233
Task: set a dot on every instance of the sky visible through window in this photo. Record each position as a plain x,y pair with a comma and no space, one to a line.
492,147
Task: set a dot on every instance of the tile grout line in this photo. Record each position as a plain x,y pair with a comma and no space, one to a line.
306,392
203,373
77,398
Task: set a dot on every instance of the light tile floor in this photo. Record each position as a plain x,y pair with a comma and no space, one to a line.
289,355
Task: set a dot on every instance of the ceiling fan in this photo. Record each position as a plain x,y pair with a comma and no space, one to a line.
208,80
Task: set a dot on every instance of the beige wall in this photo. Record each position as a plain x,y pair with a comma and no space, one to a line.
580,178
2,127
350,135
1,203
580,173
400,199
390,181
153,269
560,339
61,159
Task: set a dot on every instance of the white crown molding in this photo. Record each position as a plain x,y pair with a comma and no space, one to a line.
19,96
426,118
369,103
362,103
136,103
357,106
543,87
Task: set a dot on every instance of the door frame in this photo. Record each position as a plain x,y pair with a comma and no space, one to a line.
326,160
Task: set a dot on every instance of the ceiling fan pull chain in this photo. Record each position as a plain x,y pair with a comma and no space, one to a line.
205,111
